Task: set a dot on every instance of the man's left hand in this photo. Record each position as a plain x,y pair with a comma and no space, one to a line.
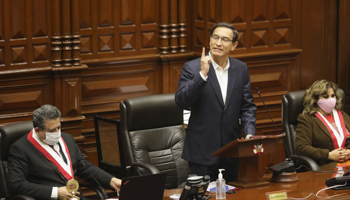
116,183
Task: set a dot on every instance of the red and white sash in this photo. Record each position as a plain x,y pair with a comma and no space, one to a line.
338,138
65,169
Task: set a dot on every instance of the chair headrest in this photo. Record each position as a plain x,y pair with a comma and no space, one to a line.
152,112
295,104
12,132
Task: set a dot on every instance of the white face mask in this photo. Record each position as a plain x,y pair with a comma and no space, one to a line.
52,138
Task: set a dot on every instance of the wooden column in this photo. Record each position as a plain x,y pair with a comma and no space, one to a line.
75,33
182,26
173,27
56,56
164,27
344,51
66,33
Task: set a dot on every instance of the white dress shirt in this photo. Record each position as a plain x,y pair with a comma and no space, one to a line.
221,75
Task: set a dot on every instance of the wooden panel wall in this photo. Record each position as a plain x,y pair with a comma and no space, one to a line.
87,56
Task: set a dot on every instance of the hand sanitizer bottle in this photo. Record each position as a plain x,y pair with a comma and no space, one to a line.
220,186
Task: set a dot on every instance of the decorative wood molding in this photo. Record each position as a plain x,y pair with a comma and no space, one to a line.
173,27
182,26
75,34
164,27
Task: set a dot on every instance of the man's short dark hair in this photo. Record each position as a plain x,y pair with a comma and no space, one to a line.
226,25
45,112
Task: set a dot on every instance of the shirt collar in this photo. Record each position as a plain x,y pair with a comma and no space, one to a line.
216,66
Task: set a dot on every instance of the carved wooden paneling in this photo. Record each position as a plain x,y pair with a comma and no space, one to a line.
134,48
1,24
173,27
109,29
40,53
18,100
149,11
164,27
174,77
72,96
2,59
128,17
104,86
40,28
20,94
344,51
86,45
56,49
317,41
105,13
259,10
27,39
106,43
18,19
148,39
260,23
212,11
182,26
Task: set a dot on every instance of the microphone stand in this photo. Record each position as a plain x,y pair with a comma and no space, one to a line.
282,172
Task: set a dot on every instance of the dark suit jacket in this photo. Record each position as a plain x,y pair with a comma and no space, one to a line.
314,140
30,173
213,124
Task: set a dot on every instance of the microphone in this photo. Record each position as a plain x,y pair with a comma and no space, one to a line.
288,165
86,168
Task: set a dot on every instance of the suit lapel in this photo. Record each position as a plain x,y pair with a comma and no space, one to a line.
213,80
323,127
46,161
230,82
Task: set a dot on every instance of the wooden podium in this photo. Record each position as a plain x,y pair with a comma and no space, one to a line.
247,150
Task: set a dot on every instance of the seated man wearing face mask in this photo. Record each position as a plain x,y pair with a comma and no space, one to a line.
41,162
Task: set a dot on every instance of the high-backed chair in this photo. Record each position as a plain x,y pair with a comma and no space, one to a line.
153,134
109,146
292,106
8,135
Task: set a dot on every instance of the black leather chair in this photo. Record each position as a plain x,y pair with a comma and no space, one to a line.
109,146
153,134
292,106
8,135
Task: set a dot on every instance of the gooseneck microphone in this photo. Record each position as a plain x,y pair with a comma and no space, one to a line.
288,164
83,164
268,112
273,122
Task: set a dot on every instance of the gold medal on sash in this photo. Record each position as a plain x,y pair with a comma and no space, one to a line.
72,187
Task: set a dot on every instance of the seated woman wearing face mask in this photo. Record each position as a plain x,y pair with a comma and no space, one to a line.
322,127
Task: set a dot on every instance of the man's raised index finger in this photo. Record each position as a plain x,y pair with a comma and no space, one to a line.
203,52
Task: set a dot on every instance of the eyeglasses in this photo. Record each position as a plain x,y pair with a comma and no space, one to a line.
223,39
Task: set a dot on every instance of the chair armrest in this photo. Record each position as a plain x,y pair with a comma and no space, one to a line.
152,169
306,161
101,193
19,197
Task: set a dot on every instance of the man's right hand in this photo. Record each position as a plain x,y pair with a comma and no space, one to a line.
64,194
205,61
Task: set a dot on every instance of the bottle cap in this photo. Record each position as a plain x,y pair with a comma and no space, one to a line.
220,174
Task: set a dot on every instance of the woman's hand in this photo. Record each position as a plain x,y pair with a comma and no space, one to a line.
345,155
337,155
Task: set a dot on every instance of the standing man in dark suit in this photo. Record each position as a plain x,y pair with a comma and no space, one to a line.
41,162
216,88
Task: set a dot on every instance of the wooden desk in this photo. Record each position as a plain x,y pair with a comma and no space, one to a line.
309,182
